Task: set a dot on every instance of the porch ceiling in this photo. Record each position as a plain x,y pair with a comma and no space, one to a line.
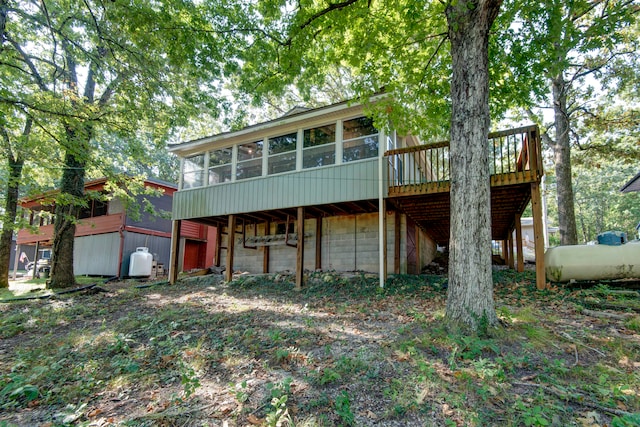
431,211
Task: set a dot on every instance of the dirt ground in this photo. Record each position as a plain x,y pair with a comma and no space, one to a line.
341,352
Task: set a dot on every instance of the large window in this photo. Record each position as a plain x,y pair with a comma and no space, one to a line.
249,160
193,171
220,165
319,146
359,139
282,153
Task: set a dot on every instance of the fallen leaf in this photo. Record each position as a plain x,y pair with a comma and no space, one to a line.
255,420
94,413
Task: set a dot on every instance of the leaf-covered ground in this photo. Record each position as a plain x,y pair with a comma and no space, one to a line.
340,352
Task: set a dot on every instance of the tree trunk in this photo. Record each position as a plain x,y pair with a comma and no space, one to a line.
470,303
562,160
67,208
11,208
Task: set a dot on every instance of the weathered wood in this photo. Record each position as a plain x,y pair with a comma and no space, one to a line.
265,253
231,241
519,244
396,242
384,244
538,238
607,315
510,249
505,252
318,243
174,258
218,245
300,249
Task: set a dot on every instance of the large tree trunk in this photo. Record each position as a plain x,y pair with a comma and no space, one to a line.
470,303
67,208
11,208
562,160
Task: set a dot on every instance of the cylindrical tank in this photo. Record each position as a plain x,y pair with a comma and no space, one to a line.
140,263
593,262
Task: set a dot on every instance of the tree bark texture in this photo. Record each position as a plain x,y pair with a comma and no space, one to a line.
562,161
470,294
67,208
15,165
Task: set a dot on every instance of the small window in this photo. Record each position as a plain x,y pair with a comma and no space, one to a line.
359,139
193,171
319,146
282,153
249,160
220,165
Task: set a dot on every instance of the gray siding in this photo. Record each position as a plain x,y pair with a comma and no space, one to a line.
96,255
158,222
333,184
160,247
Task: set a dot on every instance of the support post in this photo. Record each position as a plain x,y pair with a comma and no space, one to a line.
319,243
300,249
512,256
231,242
396,242
35,261
519,244
505,252
16,259
265,253
383,242
538,237
174,256
218,245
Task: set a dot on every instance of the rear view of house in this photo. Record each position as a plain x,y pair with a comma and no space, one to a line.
325,189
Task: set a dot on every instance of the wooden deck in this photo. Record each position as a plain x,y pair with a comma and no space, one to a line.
419,185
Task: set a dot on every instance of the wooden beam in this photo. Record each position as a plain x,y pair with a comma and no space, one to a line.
16,259
396,242
538,237
319,243
218,245
174,259
519,244
231,242
300,249
35,261
510,250
265,254
505,253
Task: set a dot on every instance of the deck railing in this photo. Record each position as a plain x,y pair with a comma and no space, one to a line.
514,156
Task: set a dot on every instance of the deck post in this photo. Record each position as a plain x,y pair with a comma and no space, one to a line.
231,241
538,236
382,223
510,250
265,254
519,244
319,243
218,245
175,251
300,249
35,261
505,251
16,259
396,242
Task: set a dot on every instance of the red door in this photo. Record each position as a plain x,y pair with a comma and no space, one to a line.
193,255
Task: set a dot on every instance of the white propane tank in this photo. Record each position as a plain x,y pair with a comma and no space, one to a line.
140,263
593,262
